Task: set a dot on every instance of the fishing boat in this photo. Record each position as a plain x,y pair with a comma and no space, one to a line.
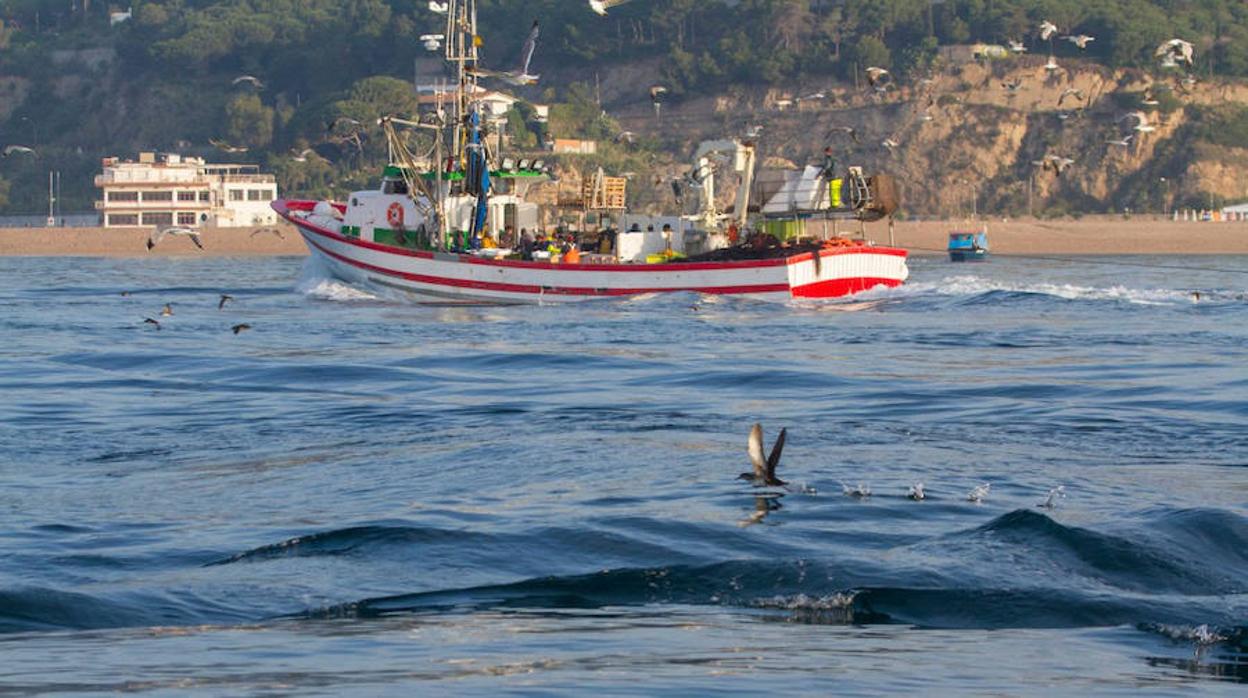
968,246
420,231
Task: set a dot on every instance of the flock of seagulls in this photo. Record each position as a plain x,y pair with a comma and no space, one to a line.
167,312
764,475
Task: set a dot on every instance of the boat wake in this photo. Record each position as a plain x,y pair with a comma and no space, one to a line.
976,289
316,281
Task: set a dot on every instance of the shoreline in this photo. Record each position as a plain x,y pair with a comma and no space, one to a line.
1106,235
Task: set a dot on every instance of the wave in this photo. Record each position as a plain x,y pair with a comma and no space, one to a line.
974,290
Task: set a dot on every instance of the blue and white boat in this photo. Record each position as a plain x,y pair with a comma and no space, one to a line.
968,246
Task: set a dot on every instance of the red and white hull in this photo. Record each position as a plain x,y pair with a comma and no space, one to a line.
451,277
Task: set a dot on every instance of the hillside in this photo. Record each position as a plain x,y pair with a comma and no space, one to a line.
77,89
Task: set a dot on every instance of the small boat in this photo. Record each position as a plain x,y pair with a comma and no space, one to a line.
968,246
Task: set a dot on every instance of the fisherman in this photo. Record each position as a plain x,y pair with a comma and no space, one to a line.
526,245
828,170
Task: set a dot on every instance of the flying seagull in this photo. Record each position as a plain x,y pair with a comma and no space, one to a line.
1056,163
1124,142
916,492
1140,120
438,7
1080,40
432,42
1017,46
255,81
1052,64
519,76
764,470
222,145
1055,494
1047,30
1070,92
626,137
878,78
160,233
167,310
240,327
14,149
889,143
601,6
1173,52
1013,86
225,298
848,130
977,495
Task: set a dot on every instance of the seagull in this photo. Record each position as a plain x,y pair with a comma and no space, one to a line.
302,155
1173,52
1070,92
1081,40
167,310
811,96
1141,122
1056,163
150,321
331,126
519,76
601,6
432,42
1188,82
849,130
1149,99
222,145
1124,142
977,495
860,491
274,231
889,143
1017,46
764,471
13,149
1013,86
1047,30
438,7
916,492
1052,64
255,81
225,298
240,327
160,233
878,78
626,137
754,131
1056,493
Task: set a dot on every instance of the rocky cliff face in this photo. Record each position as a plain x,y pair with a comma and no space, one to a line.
974,134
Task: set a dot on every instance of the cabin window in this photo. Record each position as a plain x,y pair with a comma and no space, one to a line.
394,186
237,194
256,194
355,201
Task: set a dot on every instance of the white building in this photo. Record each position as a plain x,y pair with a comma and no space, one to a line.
169,189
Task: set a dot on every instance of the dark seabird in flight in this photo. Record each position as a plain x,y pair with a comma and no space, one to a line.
150,321
764,471
240,327
225,298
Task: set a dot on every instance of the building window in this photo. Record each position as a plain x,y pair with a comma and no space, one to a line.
205,196
158,218
256,195
236,195
123,219
185,218
123,196
158,196
186,196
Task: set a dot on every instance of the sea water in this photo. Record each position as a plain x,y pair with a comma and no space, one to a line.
361,496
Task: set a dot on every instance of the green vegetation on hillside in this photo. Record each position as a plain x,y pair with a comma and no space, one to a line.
164,79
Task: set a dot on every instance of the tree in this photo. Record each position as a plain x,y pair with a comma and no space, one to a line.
249,122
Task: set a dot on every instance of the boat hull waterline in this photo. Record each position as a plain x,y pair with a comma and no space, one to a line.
448,277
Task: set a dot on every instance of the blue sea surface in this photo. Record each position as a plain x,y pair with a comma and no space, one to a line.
362,496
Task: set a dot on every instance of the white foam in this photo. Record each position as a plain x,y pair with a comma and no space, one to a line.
969,285
316,281
802,602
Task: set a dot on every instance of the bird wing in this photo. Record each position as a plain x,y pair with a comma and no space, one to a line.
526,53
195,239
756,450
774,458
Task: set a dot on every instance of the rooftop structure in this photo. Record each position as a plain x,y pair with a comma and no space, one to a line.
168,189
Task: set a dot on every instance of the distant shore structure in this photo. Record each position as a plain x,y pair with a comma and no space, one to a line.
166,189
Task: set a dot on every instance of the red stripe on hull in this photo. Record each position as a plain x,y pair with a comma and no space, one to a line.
835,288
536,290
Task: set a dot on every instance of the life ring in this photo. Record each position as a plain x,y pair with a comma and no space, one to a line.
394,215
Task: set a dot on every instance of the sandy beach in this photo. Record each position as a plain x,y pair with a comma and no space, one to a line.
1090,235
